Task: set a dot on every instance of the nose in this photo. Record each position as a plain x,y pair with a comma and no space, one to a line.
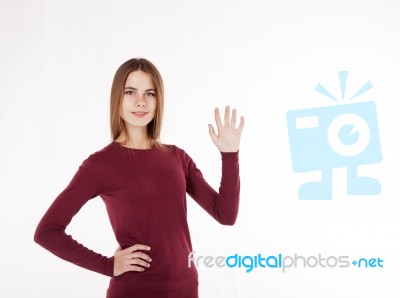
140,101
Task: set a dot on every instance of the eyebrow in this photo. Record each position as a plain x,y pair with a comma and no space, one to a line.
135,89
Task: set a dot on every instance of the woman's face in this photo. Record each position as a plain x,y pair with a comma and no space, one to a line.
139,101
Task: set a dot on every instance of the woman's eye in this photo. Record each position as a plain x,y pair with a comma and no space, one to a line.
151,94
129,92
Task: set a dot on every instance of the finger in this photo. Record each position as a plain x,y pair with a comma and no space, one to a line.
137,247
233,120
217,118
212,133
138,262
139,255
135,268
227,116
118,249
241,124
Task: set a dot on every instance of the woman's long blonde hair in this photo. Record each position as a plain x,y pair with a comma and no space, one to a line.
117,124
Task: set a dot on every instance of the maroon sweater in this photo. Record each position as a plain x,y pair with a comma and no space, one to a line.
144,191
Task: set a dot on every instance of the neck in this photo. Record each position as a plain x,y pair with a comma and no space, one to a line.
138,138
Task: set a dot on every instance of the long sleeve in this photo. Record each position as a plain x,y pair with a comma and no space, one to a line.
50,232
223,205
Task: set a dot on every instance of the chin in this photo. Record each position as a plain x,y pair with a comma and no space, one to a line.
139,123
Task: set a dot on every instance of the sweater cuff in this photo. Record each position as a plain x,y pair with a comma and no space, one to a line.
230,156
109,270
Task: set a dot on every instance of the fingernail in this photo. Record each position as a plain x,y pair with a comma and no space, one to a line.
148,247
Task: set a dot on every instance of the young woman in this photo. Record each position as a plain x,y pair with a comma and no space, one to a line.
143,184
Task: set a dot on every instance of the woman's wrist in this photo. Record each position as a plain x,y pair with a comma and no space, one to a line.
230,156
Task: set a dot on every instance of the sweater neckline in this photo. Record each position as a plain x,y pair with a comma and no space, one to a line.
117,144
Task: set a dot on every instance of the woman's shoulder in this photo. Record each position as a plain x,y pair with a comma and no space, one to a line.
172,148
99,155
181,153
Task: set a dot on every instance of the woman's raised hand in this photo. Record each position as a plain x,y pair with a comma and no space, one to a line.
131,259
228,138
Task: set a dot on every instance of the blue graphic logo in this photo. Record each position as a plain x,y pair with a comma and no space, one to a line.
343,135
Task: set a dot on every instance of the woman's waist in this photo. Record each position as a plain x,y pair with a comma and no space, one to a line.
157,278
164,249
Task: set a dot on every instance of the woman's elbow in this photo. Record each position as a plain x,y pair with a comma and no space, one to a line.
228,221
38,236
42,235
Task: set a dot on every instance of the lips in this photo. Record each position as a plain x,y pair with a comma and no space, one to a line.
140,114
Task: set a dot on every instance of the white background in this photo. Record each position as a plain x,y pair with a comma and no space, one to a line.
57,61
